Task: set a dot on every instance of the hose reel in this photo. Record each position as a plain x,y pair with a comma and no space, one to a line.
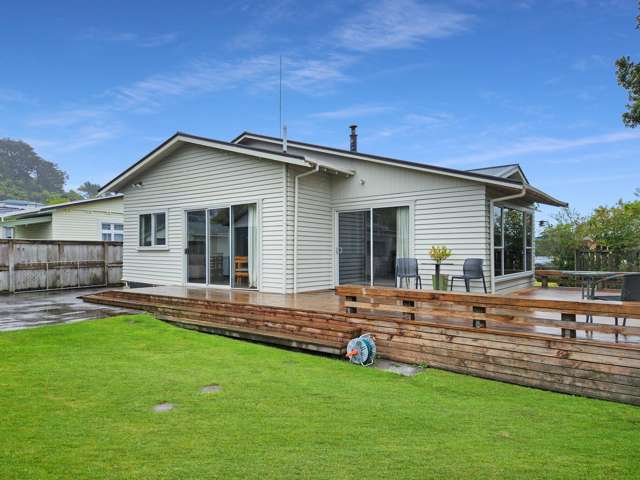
362,350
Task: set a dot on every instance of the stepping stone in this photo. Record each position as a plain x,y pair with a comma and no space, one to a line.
163,407
214,388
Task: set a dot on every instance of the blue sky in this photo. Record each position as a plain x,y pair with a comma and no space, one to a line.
465,83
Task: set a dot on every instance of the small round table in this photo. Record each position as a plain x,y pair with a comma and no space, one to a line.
437,265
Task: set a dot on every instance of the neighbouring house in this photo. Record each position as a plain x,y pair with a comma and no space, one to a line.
297,217
10,206
93,219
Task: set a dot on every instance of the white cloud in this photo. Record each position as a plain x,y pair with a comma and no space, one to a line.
392,24
14,96
142,41
543,145
353,111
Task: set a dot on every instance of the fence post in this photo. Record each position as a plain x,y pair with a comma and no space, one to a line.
409,315
568,332
106,267
479,323
350,298
12,269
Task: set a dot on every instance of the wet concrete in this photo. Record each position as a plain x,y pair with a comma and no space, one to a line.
403,369
35,309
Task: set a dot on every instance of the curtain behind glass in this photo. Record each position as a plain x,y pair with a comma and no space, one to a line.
402,232
402,235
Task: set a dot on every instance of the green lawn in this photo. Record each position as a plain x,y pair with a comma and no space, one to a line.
76,402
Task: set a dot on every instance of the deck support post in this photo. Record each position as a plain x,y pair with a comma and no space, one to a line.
350,298
479,323
545,281
568,332
409,315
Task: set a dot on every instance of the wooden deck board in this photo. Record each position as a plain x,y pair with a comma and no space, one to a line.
592,366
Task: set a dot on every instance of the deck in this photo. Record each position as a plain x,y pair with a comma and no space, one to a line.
537,337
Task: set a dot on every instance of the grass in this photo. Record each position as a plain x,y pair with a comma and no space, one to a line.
76,402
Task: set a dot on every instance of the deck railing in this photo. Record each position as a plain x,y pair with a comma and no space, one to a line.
478,310
513,339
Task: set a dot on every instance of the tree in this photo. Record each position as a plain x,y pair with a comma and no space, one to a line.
25,175
88,189
560,241
628,75
613,230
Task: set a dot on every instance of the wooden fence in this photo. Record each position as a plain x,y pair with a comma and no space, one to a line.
518,340
27,265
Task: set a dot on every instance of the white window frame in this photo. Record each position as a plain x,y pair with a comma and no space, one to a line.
525,249
153,245
111,231
214,206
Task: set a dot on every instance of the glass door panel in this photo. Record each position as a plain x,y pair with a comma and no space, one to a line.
354,247
219,246
245,244
196,246
385,239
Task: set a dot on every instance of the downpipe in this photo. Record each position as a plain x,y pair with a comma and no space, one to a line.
316,169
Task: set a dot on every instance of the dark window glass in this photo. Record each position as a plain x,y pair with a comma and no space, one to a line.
497,264
145,230
160,234
497,226
513,224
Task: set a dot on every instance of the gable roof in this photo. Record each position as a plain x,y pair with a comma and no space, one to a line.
380,159
181,138
504,171
489,178
47,209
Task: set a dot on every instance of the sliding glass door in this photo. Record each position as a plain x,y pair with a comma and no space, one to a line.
196,246
222,246
369,241
354,247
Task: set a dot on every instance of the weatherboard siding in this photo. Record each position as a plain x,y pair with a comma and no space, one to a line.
196,177
445,211
315,233
83,222
34,231
451,216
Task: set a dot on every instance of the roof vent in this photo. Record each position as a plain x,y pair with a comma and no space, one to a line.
353,146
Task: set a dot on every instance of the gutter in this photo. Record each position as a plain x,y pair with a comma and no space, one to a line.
514,196
316,169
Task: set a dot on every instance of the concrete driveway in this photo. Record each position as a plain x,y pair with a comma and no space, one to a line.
35,309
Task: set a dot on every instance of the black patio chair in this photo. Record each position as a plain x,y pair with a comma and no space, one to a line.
407,268
630,292
471,270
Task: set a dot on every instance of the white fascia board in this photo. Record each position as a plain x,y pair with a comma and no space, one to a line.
118,181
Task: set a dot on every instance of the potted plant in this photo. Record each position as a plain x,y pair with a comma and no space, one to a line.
439,254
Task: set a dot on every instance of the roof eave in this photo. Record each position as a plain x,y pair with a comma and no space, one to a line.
487,179
179,137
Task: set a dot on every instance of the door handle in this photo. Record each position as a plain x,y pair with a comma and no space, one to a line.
186,251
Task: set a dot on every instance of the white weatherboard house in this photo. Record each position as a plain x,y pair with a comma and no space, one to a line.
94,219
252,213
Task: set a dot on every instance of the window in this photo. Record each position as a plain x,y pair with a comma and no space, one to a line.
512,241
152,230
111,232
